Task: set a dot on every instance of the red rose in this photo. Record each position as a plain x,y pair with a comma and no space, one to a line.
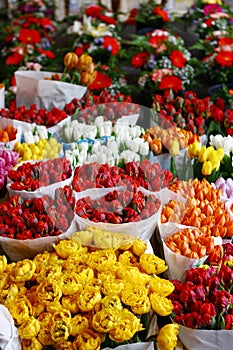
93,10
139,59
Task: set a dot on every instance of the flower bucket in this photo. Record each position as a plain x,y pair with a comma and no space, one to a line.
36,88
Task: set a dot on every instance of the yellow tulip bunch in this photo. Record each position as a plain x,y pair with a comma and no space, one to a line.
78,297
207,158
43,149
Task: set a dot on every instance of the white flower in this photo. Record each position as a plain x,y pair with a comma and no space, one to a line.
144,149
135,131
219,141
75,28
99,120
112,147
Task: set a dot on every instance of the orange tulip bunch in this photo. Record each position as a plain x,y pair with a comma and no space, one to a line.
160,138
192,243
78,70
203,209
8,133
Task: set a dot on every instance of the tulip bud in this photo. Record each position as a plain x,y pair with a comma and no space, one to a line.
206,168
84,63
203,155
70,60
174,148
194,149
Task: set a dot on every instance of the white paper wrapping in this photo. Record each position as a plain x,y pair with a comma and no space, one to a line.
9,337
2,97
136,346
143,229
32,87
201,339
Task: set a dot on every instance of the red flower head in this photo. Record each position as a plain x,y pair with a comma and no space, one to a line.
131,19
93,10
161,13
101,81
209,22
111,44
108,19
178,59
49,54
139,59
15,59
225,41
171,82
224,58
29,36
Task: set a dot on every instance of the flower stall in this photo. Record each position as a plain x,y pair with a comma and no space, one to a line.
116,191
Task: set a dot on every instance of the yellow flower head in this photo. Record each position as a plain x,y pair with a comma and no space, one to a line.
88,340
70,60
105,320
79,323
194,149
207,168
160,304
167,338
152,264
29,328
174,148
162,286
3,263
31,344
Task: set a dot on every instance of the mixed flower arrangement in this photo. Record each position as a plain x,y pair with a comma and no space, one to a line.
164,61
214,27
149,13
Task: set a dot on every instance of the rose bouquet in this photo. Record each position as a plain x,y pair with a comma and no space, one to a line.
88,294
164,62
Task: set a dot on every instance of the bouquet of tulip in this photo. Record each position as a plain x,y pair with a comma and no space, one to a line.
205,161
187,112
78,70
204,301
8,159
90,294
145,174
200,206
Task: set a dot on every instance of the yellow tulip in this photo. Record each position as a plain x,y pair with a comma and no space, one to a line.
167,338
220,153
194,149
204,154
207,168
175,147
70,60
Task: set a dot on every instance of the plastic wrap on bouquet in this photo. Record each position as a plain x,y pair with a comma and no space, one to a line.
34,87
202,339
9,337
143,229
